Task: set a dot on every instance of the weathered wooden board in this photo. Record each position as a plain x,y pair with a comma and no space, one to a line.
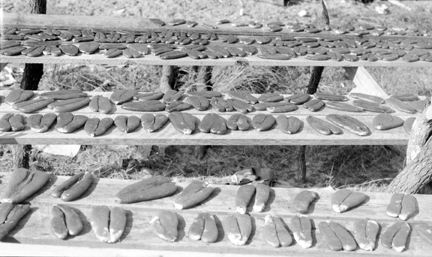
187,61
169,136
5,108
133,24
34,230
109,23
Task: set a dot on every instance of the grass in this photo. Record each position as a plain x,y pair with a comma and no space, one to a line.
367,168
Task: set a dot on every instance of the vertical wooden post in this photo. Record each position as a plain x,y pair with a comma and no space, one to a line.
322,19
30,81
31,77
301,160
204,77
314,80
167,82
33,72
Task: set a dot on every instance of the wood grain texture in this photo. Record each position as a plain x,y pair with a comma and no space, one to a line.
187,61
110,23
133,24
169,136
34,230
4,108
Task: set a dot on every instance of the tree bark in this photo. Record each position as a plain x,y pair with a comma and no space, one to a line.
30,81
32,76
167,79
314,79
322,19
419,135
21,156
33,72
38,6
417,173
301,162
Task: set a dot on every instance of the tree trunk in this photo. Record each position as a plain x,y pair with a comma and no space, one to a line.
301,162
322,19
21,156
419,135
31,77
38,6
30,81
33,72
315,79
417,173
167,79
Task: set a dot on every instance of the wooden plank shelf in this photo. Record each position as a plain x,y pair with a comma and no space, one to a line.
109,23
135,25
187,61
169,136
34,232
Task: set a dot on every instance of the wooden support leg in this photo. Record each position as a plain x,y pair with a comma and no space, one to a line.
33,72
312,87
167,82
203,80
315,80
301,150
38,6
31,77
301,161
30,81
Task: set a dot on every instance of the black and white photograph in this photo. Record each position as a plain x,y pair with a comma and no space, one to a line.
216,128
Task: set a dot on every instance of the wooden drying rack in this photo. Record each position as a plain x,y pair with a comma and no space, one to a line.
33,233
139,240
169,136
357,73
141,25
